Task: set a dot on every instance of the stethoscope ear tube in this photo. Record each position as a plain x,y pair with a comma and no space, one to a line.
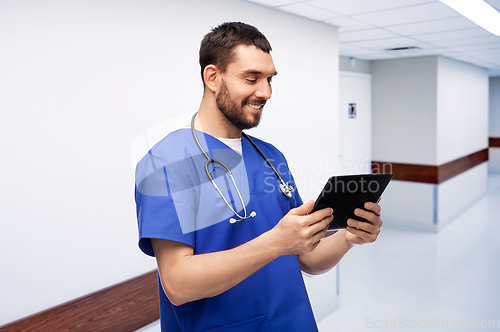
286,188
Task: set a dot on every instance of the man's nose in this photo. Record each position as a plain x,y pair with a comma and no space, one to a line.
264,90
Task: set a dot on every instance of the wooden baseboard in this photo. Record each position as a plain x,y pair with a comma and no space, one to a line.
124,307
430,174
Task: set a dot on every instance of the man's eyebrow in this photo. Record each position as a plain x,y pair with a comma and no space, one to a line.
257,72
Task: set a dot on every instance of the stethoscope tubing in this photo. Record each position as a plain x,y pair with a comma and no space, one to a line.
286,188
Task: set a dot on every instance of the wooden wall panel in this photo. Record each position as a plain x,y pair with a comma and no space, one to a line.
430,174
494,142
124,307
407,172
455,167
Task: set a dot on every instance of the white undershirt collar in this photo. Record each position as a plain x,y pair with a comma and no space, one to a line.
233,143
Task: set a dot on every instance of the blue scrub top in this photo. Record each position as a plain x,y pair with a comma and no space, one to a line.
176,201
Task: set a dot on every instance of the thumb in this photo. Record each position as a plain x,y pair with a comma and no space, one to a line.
303,209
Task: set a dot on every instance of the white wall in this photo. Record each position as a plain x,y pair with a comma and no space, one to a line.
79,80
494,107
458,194
360,66
429,110
404,102
355,144
462,116
400,208
494,160
462,126
494,124
437,205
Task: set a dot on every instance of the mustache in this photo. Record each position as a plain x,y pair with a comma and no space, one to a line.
254,101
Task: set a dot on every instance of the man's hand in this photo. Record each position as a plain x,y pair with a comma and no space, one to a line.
361,232
299,233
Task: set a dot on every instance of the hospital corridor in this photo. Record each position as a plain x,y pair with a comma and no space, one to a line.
199,145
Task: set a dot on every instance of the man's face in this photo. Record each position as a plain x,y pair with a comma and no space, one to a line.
246,86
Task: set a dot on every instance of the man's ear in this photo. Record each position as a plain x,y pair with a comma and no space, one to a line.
210,77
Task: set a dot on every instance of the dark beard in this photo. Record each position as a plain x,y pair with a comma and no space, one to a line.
234,113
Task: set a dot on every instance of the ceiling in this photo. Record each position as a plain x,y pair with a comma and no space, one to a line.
368,28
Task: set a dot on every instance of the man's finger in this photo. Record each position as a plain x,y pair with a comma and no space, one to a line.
364,236
320,234
322,214
363,226
322,225
303,209
369,216
375,208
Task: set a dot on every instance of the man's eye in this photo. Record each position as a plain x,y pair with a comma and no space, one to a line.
251,81
269,80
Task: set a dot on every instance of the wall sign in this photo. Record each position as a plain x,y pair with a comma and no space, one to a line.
352,111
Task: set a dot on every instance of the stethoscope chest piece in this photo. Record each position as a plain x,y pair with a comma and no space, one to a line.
286,189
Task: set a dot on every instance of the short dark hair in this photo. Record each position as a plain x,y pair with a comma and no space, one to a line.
217,47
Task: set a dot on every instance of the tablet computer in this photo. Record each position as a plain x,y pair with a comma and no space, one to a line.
347,192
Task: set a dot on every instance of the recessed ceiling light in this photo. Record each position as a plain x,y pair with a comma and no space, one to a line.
478,12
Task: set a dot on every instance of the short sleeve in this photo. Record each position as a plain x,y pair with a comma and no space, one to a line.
165,195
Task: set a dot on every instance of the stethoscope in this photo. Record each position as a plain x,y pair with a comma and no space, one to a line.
286,188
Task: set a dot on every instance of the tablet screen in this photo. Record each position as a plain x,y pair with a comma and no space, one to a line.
347,192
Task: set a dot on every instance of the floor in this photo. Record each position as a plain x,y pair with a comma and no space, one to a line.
422,281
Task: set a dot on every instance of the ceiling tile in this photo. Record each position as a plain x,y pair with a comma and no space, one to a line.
359,51
466,41
376,56
386,43
432,51
273,3
485,63
494,3
345,47
368,27
494,45
481,52
455,34
492,55
411,14
450,54
303,9
348,24
369,34
446,24
350,7
464,58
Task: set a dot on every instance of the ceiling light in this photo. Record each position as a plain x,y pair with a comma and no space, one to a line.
478,12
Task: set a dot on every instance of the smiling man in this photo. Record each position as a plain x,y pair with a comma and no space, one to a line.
221,268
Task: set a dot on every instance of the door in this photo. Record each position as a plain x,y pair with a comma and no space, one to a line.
355,141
